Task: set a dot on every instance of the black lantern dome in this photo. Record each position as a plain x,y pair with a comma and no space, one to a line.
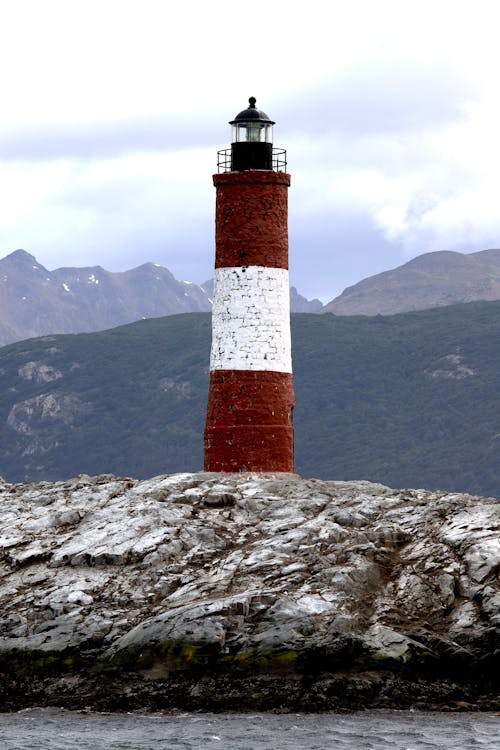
252,139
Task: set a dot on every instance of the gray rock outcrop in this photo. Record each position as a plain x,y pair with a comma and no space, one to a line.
247,591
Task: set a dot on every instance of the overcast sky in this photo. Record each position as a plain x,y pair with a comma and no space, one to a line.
112,111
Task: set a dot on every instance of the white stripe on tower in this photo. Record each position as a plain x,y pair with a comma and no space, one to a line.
251,319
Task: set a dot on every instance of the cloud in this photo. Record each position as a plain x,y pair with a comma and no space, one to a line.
109,138
387,94
115,212
410,147
449,199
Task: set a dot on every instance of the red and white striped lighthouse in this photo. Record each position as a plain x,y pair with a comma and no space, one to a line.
250,401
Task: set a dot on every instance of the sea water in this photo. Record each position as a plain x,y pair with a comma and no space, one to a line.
55,729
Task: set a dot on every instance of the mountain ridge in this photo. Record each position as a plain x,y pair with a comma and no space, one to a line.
36,302
429,280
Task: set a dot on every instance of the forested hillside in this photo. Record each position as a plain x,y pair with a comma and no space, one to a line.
407,400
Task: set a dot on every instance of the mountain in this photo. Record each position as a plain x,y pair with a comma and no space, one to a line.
36,302
430,280
299,304
410,400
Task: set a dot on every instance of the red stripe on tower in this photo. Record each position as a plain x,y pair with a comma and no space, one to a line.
250,401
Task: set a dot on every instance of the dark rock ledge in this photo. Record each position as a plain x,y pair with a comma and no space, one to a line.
234,592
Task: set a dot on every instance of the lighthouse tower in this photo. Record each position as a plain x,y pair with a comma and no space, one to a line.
250,401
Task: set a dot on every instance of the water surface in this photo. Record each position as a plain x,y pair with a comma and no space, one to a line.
55,729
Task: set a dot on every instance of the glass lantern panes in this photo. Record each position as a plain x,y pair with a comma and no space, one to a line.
252,131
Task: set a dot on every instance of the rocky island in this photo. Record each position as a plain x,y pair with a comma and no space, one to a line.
247,591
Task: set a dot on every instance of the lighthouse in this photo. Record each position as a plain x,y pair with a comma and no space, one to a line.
250,401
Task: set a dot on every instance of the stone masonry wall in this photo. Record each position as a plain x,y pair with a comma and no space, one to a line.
251,319
252,219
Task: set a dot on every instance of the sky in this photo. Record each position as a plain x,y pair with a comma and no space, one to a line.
112,112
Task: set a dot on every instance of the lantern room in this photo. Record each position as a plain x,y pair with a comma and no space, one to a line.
252,139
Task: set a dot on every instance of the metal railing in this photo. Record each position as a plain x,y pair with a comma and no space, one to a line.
279,163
